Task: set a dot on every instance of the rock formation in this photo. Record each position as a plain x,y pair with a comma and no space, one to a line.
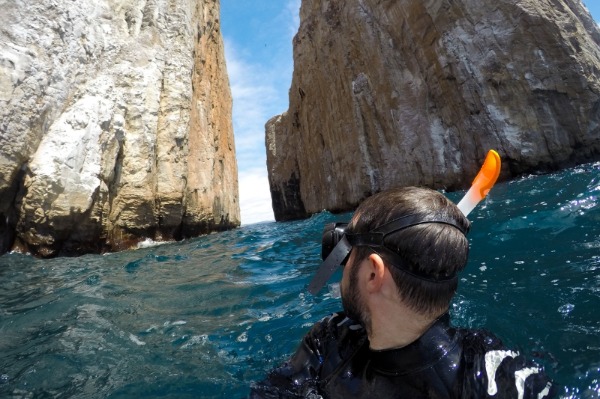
414,92
115,124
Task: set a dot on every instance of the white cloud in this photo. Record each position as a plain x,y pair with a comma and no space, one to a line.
255,197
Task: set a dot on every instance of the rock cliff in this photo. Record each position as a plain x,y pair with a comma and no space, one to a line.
414,92
115,124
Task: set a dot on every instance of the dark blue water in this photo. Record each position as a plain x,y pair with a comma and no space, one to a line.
206,317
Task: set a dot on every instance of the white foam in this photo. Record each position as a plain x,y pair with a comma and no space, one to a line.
136,340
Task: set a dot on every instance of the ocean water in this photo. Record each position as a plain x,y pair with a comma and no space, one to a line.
206,317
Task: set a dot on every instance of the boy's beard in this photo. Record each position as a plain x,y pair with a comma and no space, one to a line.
353,303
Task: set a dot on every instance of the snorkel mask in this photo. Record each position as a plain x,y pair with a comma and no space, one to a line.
337,242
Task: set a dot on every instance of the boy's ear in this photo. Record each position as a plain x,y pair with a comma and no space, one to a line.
376,273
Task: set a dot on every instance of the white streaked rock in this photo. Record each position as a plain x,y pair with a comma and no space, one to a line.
119,114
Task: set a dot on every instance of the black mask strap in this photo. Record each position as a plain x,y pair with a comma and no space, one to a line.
378,234
396,261
375,239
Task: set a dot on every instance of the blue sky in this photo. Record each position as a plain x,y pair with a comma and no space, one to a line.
258,49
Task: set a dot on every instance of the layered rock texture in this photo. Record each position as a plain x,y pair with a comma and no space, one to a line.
389,93
115,124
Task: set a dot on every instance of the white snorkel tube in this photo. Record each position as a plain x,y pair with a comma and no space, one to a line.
482,184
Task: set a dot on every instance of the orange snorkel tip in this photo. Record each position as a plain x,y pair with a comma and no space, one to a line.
482,184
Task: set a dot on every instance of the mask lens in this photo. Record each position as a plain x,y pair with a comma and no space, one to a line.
332,234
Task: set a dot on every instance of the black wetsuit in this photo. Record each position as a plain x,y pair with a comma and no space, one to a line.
334,361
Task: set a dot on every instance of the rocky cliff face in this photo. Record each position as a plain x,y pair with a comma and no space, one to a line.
414,92
115,124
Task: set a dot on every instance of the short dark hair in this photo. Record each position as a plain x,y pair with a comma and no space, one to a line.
435,249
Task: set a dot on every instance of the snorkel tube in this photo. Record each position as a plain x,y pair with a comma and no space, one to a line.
482,184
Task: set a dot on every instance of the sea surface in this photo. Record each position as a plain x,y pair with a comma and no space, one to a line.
204,318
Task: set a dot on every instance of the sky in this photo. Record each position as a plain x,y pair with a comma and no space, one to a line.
258,51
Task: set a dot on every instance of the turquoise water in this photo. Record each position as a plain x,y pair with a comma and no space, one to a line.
206,317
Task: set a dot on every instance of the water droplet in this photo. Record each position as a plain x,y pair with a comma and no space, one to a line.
566,309
93,280
243,337
334,290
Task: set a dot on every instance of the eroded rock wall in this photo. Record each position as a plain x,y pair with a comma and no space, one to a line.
414,92
115,124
